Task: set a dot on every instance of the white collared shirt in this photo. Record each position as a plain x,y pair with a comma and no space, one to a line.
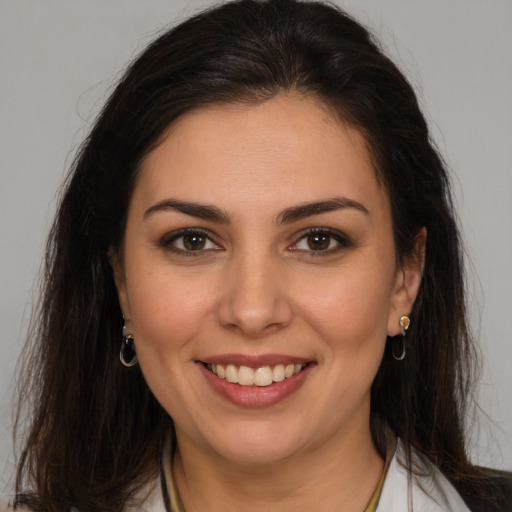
407,492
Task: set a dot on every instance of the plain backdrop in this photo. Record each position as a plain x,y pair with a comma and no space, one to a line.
59,59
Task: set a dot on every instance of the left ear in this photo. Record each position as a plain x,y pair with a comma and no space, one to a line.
120,281
407,283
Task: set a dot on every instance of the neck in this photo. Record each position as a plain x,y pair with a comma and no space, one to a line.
313,479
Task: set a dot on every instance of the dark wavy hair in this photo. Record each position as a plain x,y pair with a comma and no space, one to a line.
95,434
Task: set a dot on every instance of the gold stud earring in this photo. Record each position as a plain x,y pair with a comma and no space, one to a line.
405,321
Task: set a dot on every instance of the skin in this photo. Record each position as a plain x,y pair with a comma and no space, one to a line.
259,286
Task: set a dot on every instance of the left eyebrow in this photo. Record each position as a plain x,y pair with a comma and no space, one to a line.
302,211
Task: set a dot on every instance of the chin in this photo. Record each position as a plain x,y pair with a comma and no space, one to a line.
257,445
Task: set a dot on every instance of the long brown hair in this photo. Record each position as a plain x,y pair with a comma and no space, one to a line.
96,432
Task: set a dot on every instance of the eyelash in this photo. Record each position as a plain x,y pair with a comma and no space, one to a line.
343,242
168,241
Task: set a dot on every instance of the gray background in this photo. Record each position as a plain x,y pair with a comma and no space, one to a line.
59,58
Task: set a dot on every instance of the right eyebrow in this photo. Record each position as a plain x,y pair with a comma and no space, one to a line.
200,211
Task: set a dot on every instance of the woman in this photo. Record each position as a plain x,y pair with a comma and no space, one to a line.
254,291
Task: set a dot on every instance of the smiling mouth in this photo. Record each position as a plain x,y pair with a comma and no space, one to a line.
262,376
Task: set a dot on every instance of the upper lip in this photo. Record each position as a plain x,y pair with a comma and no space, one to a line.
255,361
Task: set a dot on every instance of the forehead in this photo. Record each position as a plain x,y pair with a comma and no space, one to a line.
288,149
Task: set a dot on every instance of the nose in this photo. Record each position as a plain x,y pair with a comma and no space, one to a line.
255,299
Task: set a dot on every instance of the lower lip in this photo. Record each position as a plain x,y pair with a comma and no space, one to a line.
256,396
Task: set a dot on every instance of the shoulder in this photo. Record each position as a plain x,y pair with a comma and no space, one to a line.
498,484
150,499
416,484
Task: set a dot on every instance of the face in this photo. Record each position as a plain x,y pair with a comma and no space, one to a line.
260,279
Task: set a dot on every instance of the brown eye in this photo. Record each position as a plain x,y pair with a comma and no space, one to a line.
194,242
319,241
322,241
187,242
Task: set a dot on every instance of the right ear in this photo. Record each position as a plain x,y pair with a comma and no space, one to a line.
118,273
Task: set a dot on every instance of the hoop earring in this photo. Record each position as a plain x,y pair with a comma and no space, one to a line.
127,353
405,321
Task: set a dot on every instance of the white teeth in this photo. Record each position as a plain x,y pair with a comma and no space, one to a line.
231,373
263,376
278,373
246,376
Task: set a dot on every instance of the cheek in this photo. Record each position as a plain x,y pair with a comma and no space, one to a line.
350,307
167,311
168,315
